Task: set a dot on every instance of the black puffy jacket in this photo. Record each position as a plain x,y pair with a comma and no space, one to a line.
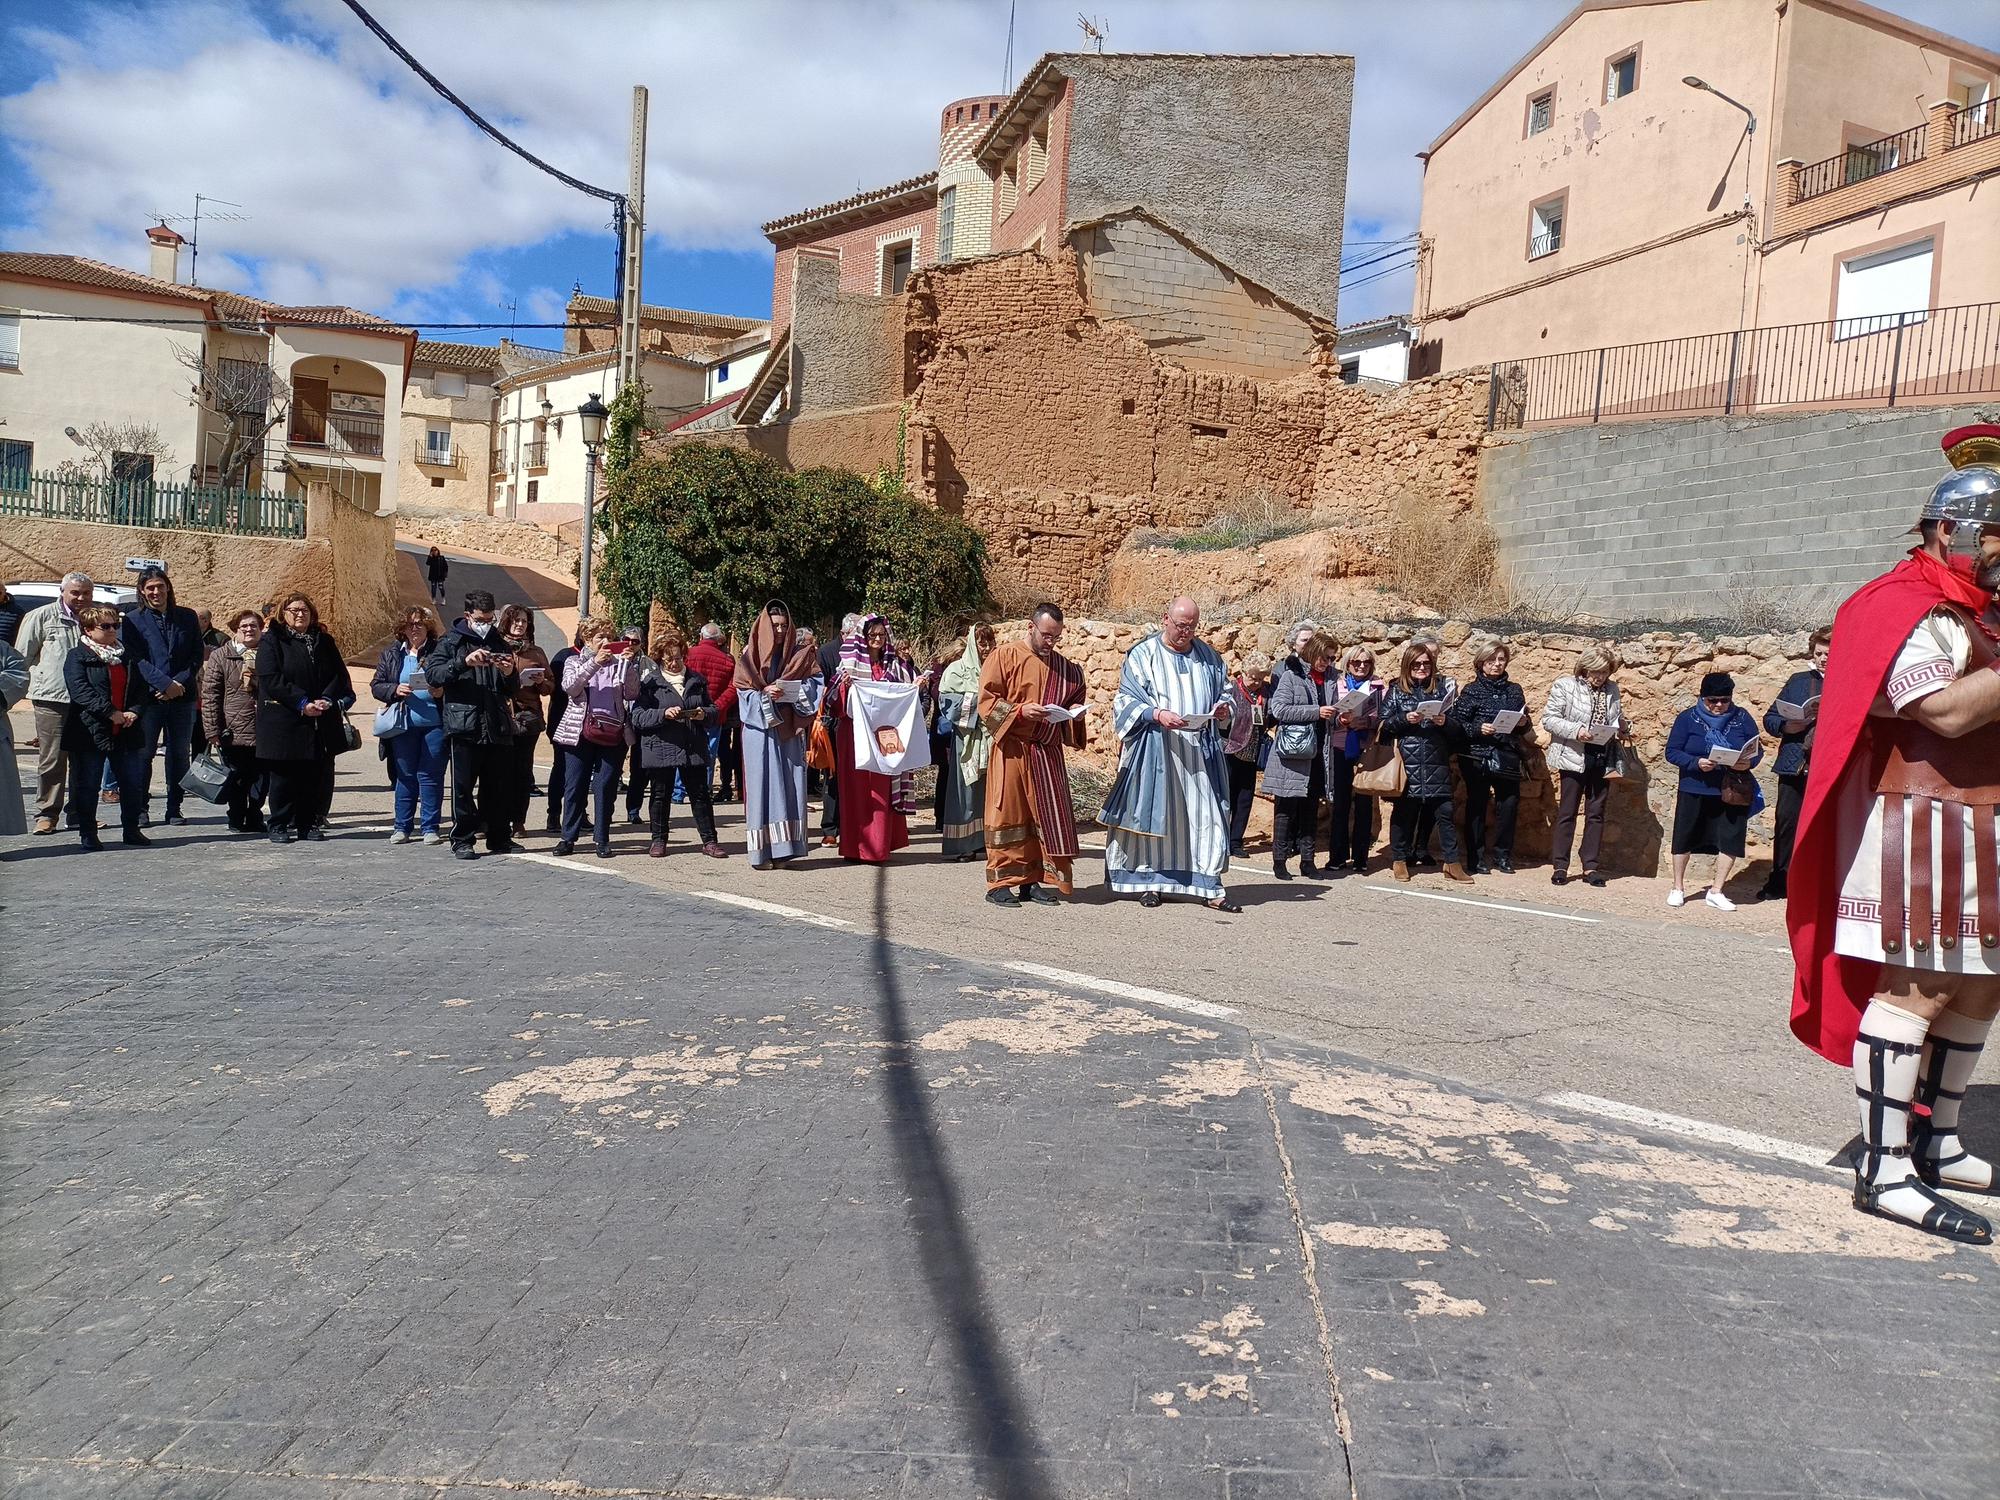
1426,748
478,701
1478,701
665,742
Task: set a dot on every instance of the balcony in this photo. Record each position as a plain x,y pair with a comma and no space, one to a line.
431,457
352,434
535,455
1954,145
1546,244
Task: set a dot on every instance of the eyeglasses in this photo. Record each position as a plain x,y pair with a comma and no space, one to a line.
1718,702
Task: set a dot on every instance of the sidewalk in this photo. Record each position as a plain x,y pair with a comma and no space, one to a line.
376,1178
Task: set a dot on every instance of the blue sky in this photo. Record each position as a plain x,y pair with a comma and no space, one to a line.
361,186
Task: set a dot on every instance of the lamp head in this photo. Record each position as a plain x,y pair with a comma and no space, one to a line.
590,420
1693,82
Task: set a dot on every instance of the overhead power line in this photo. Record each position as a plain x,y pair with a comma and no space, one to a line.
1348,286
474,116
1369,260
278,322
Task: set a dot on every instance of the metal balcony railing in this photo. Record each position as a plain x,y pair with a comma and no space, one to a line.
1896,359
1545,244
439,458
535,455
1861,162
355,433
1975,123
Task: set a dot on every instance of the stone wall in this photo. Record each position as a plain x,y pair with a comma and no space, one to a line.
1057,432
1661,673
863,440
1712,517
345,564
494,534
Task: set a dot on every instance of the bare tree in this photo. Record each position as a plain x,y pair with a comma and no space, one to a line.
107,441
244,399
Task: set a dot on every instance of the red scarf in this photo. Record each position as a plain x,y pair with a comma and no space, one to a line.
1830,992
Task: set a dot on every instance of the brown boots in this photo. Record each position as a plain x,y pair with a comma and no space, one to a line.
1401,871
1456,871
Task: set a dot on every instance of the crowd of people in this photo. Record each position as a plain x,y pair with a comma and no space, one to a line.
1345,753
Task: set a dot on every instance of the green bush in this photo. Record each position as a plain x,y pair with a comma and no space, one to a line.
711,533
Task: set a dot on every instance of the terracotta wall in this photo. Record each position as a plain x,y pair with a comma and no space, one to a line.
1057,432
862,439
1660,676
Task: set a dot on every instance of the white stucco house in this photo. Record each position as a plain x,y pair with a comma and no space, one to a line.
1376,350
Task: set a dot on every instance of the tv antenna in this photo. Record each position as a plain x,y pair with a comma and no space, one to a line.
194,221
1094,29
512,304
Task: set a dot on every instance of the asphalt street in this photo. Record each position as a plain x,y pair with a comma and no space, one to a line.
345,1169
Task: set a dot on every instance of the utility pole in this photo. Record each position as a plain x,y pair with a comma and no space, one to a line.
635,246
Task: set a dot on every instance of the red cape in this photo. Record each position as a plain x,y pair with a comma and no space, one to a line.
1830,992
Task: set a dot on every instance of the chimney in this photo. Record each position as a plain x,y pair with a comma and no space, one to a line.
166,253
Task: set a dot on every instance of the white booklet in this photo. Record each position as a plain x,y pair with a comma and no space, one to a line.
1358,704
1795,713
1731,758
1507,720
787,690
1603,734
1197,721
1060,715
1431,711
532,675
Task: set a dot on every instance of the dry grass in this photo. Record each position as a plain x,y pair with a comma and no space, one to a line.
1443,557
1251,519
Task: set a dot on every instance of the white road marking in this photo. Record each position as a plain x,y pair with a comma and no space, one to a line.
1526,911
751,903
1123,991
1700,1130
592,866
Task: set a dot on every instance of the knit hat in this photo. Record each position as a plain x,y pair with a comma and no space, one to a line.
1718,685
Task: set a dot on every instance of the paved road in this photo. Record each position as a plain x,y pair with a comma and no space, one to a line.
341,1170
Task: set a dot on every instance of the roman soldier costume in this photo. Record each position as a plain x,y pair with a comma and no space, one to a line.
1896,866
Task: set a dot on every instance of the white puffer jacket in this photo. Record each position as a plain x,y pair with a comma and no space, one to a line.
1567,720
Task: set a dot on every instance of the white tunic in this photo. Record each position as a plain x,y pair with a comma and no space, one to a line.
1937,653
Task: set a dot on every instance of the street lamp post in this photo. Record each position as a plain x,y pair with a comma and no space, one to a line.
1749,130
590,423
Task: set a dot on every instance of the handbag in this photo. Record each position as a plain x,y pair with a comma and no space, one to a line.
350,737
1739,788
209,778
1294,741
392,718
819,746
1380,772
601,728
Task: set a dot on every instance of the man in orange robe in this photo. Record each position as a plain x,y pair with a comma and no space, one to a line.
1030,826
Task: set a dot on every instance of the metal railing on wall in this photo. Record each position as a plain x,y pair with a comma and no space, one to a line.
1860,162
141,502
1887,360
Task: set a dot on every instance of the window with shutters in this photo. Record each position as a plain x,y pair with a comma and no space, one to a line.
10,339
1883,288
449,383
947,221
1541,111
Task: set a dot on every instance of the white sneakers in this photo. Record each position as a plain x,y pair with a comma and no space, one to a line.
433,838
1714,898
399,837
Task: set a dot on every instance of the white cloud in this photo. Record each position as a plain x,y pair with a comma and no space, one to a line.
363,186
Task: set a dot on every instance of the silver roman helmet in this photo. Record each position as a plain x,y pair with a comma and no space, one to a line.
1969,496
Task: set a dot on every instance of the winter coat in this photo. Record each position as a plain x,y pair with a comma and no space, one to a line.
478,701
530,698
1478,701
436,569
1566,718
1426,748
47,637
228,707
165,645
294,667
1297,699
87,725
718,670
616,682
558,703
1691,739
1794,745
663,742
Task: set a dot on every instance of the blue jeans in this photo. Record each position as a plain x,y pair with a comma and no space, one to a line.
88,767
173,721
416,765
594,767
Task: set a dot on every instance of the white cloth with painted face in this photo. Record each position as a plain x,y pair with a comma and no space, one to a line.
889,733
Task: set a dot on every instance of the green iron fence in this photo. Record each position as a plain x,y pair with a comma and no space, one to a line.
141,502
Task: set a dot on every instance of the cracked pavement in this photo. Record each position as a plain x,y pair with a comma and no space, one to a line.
392,1179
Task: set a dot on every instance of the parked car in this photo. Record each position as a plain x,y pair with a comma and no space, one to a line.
34,595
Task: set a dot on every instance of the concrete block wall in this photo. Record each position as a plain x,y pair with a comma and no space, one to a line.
1707,517
1186,305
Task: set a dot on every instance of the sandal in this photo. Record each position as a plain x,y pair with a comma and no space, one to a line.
1223,904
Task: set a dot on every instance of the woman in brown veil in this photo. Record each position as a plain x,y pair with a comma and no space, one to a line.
777,692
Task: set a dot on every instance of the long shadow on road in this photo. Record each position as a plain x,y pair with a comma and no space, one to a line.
1002,1444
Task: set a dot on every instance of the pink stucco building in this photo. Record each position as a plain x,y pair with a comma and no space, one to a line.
1603,192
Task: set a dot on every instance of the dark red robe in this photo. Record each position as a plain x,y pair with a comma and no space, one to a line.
1830,992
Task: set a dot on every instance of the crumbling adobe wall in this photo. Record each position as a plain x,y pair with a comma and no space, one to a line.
1057,432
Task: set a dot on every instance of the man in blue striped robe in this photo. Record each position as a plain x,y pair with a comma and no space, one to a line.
1167,813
